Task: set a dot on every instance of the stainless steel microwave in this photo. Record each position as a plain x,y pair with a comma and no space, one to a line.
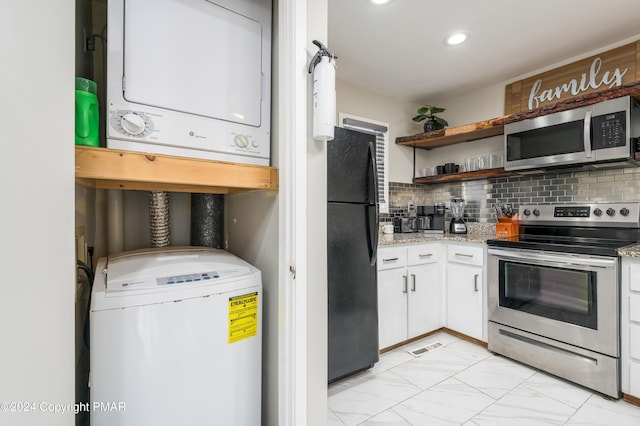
602,134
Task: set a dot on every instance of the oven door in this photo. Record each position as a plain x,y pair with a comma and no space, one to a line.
566,297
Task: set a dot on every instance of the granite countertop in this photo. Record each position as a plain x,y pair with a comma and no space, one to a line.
477,233
630,251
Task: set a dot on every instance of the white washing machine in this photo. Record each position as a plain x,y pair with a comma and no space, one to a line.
175,339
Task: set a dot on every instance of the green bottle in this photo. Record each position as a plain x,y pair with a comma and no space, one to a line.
87,115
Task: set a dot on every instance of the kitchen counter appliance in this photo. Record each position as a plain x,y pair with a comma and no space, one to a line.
404,224
352,243
457,224
430,219
554,290
599,135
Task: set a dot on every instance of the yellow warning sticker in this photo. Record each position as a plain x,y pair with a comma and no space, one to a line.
243,317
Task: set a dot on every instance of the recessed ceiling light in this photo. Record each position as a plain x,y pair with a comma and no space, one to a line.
380,1
456,38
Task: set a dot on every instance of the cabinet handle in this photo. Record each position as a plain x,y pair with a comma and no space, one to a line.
475,282
463,255
425,255
393,259
413,282
405,287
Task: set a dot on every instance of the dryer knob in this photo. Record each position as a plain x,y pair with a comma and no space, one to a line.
241,141
133,124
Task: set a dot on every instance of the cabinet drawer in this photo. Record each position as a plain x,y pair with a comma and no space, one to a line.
634,307
423,254
470,255
634,276
634,342
393,257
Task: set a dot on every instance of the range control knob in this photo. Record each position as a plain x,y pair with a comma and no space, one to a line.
611,212
536,212
624,211
527,212
597,212
133,124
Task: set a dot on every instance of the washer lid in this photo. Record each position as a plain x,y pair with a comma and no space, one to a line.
179,266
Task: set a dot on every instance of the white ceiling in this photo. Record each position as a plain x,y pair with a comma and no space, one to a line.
397,49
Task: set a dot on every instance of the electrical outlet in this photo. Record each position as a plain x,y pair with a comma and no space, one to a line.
411,206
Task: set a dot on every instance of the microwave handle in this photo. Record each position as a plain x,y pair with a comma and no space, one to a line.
587,134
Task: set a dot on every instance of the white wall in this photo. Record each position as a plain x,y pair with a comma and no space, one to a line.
36,220
316,228
252,232
357,101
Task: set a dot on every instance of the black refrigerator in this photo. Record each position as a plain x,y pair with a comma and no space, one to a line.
352,234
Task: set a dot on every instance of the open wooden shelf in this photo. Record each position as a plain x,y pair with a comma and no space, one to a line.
116,169
454,135
456,177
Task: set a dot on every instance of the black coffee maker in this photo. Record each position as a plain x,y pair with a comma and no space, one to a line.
431,219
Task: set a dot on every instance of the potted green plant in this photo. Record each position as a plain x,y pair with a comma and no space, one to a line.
433,122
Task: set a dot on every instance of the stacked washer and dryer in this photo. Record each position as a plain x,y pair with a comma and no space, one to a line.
176,339
176,332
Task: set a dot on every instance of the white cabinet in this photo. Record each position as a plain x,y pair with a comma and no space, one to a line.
465,290
409,292
425,300
392,295
630,326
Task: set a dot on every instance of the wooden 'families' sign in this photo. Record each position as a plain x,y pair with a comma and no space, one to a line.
614,68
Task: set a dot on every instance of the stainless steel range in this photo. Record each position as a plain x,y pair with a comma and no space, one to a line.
554,290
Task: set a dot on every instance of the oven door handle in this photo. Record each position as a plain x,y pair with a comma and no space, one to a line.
529,255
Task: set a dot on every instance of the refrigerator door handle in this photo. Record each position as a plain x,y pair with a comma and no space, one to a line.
373,228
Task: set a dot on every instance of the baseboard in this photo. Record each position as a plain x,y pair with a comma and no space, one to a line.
631,399
413,339
422,336
465,337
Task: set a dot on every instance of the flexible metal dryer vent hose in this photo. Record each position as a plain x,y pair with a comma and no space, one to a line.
159,219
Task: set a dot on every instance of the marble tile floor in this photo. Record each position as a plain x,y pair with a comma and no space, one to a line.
461,383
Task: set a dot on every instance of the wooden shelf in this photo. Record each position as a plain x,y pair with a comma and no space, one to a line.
116,169
456,177
454,135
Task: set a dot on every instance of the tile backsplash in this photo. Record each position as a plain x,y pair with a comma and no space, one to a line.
612,185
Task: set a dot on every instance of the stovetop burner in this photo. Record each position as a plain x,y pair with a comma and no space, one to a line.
592,229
